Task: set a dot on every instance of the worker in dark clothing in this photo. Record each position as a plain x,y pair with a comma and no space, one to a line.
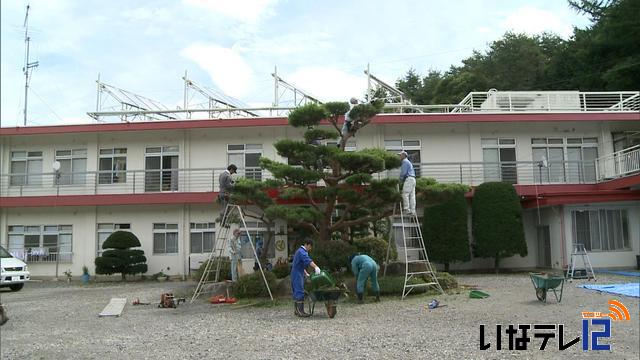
226,185
364,267
301,262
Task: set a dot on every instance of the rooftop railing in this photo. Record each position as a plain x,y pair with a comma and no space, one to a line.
549,101
206,180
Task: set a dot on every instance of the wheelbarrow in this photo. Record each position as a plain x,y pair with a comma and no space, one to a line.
544,283
329,297
324,289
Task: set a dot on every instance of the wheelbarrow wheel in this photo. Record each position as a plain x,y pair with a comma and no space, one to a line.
331,309
541,294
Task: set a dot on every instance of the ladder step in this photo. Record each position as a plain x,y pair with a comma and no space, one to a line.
421,285
411,249
420,272
417,261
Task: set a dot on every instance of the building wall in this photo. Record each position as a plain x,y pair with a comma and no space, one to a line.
141,218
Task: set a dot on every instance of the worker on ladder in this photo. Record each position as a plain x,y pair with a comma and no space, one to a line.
226,185
408,182
301,262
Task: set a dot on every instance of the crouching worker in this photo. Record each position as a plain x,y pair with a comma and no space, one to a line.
301,262
364,267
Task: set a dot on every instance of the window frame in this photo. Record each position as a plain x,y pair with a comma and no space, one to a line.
605,231
73,177
42,252
202,228
397,145
27,158
164,230
501,166
112,174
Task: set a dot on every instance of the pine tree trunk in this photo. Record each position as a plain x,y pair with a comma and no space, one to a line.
123,276
497,263
446,267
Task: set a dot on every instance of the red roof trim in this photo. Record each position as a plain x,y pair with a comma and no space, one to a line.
622,183
281,121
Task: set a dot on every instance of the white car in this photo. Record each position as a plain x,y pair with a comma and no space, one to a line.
13,271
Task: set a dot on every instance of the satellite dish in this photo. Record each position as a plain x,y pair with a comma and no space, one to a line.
56,166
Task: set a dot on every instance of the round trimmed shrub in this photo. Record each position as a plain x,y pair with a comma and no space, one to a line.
119,258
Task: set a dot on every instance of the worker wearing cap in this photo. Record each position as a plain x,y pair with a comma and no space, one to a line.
348,121
408,181
226,186
301,262
364,267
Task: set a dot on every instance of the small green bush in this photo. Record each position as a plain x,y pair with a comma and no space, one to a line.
332,255
281,271
225,270
392,285
376,248
252,285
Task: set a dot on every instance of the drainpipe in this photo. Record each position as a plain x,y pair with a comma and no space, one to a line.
563,237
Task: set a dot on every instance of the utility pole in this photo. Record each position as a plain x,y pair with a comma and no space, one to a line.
27,65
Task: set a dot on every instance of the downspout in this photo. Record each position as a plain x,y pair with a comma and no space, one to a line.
563,237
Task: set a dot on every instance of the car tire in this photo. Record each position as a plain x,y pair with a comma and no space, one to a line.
16,287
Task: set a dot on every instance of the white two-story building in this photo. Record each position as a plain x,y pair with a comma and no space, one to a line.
574,158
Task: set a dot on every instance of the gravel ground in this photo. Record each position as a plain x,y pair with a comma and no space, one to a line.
59,321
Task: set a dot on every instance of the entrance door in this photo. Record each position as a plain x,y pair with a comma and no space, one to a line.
544,247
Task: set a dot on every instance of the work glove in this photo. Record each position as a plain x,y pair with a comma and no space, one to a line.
317,270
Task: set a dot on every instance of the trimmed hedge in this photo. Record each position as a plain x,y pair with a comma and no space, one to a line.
497,222
392,285
445,230
252,285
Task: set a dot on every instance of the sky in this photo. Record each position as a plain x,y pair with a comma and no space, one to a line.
322,47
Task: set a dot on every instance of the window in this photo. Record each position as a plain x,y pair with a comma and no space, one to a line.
165,238
247,157
41,243
26,168
104,230
113,166
550,151
568,159
259,235
202,238
499,157
625,140
73,166
601,230
412,147
161,169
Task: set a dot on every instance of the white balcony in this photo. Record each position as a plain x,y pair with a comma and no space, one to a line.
621,163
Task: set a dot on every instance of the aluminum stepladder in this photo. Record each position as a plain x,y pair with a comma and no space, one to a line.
415,252
579,251
232,213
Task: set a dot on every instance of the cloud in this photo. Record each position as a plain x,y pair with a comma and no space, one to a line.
243,10
227,68
329,83
532,20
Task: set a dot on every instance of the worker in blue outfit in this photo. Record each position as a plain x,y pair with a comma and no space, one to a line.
364,267
301,262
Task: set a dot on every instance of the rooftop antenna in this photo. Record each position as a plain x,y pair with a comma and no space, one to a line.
28,66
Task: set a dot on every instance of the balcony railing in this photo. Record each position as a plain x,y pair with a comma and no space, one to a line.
621,163
42,255
549,101
206,180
